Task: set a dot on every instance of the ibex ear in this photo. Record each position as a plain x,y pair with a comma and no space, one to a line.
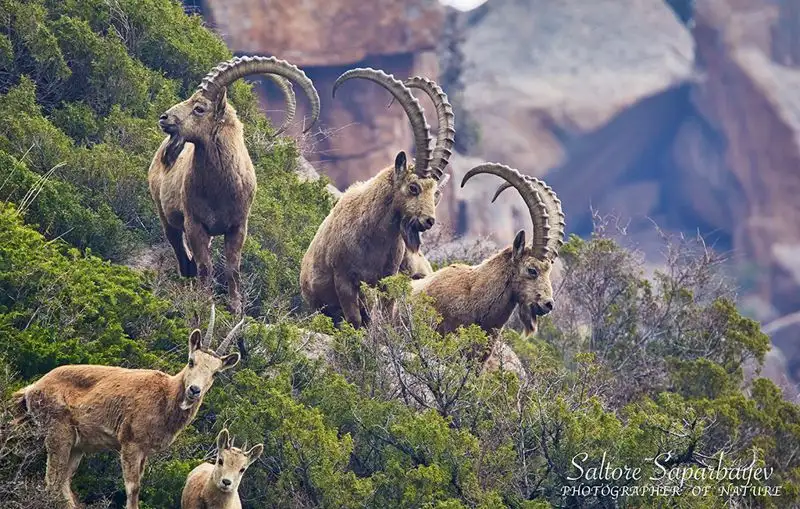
519,246
230,361
222,102
222,439
254,453
400,164
195,341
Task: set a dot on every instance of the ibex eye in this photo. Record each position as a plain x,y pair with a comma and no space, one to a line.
199,110
241,471
191,363
414,189
219,461
532,272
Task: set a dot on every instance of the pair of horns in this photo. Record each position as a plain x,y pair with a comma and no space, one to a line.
226,343
543,206
425,163
226,441
279,71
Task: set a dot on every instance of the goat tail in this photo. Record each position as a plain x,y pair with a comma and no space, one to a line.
19,407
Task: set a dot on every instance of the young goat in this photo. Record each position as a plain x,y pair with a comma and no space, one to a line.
216,486
86,408
519,275
202,179
369,229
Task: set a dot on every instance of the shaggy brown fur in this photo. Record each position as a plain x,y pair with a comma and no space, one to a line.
364,239
216,486
415,265
84,409
202,179
486,294
366,234
518,276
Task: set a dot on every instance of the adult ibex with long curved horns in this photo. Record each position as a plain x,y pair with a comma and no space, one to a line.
518,276
84,409
202,179
365,235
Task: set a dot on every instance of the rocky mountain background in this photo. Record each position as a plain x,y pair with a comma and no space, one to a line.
673,116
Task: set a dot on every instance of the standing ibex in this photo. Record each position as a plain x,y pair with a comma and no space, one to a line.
519,275
365,236
202,179
216,486
86,408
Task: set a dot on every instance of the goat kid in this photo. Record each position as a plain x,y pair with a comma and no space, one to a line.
216,486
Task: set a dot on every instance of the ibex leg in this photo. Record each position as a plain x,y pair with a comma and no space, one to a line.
59,442
200,243
347,294
75,458
186,266
234,242
133,461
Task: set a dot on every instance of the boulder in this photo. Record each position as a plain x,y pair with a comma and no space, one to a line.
570,67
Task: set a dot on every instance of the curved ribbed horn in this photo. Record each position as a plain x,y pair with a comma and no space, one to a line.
210,331
410,105
291,101
532,197
445,136
554,212
227,72
444,180
226,343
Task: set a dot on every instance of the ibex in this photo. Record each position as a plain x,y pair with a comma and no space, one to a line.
86,408
365,235
486,294
202,179
216,486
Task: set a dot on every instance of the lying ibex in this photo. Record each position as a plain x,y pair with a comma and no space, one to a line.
86,408
202,179
519,275
365,236
216,486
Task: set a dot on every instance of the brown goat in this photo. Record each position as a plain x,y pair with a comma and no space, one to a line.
202,179
486,294
366,234
216,486
84,409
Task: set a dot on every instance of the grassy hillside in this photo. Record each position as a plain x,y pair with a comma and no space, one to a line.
633,367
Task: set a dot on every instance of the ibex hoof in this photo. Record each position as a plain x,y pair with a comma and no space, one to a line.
188,268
